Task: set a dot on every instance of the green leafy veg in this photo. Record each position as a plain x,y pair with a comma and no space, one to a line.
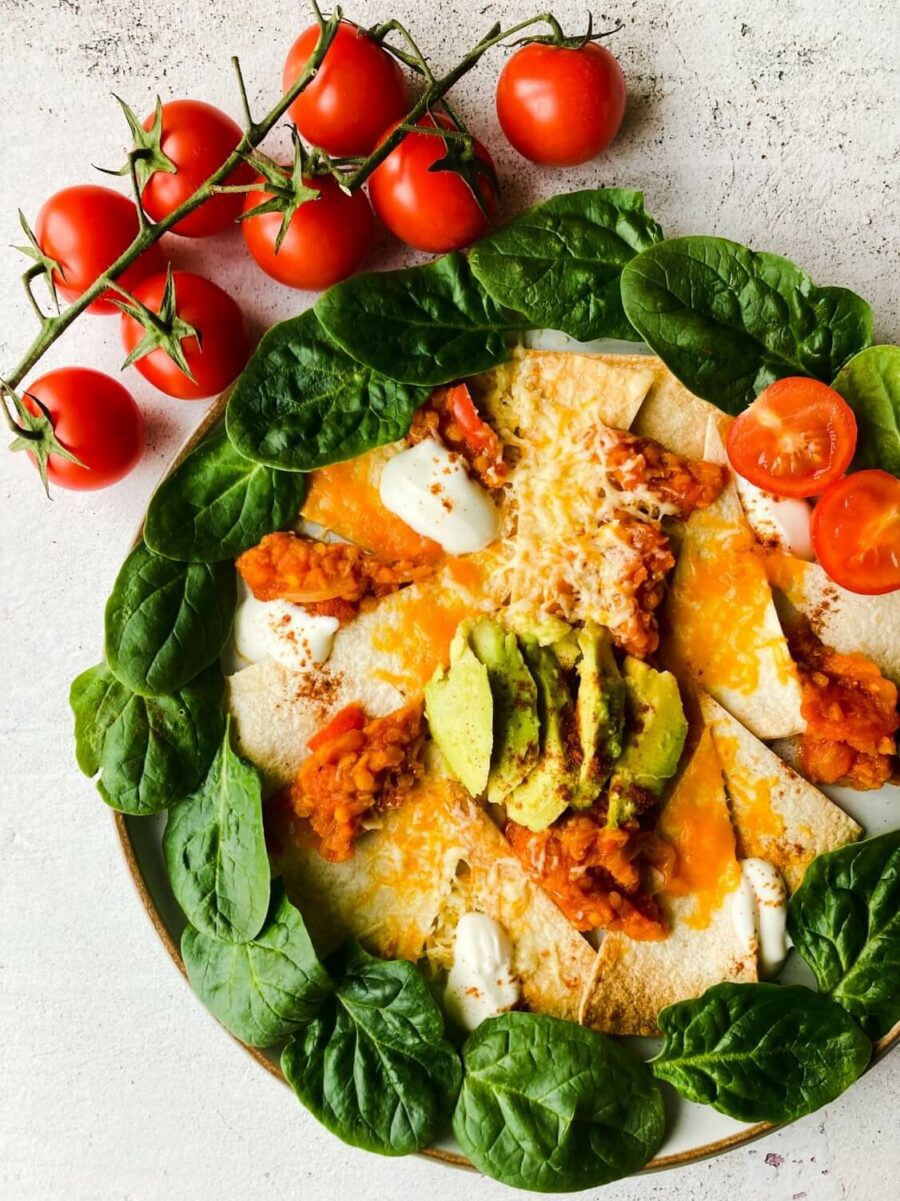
760,1052
423,325
215,850
845,922
729,321
560,262
302,403
96,698
550,1106
373,1065
265,989
870,384
216,504
167,621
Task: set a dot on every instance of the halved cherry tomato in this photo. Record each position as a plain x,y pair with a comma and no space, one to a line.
351,717
358,91
796,438
478,433
856,532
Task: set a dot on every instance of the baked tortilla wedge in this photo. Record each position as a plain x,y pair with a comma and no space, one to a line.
674,416
631,980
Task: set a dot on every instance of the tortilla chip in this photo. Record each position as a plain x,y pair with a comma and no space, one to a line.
723,628
777,814
674,416
632,981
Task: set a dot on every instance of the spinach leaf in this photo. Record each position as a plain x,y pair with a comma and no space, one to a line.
302,403
166,621
217,504
424,325
760,1052
560,262
215,850
845,922
158,749
373,1065
551,1106
261,990
870,384
729,321
96,698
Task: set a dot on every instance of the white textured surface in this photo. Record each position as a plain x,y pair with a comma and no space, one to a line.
773,123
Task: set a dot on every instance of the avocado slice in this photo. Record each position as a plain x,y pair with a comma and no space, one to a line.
654,743
517,730
460,712
549,787
599,712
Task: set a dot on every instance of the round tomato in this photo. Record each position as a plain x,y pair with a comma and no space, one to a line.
84,229
95,418
196,138
358,91
223,346
430,210
561,106
856,531
326,241
796,438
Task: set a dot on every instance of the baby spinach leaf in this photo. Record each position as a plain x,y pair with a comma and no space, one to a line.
760,1052
302,403
424,325
158,749
373,1065
870,384
845,922
96,698
560,262
166,621
551,1106
215,850
217,504
729,321
265,989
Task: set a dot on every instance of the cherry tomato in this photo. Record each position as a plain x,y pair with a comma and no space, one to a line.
197,138
326,241
351,717
86,228
856,532
358,91
223,350
95,418
430,210
478,433
795,439
560,106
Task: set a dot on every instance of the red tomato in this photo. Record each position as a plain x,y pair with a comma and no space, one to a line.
795,439
224,347
86,228
856,532
351,717
358,91
326,241
95,418
430,210
197,138
478,433
559,106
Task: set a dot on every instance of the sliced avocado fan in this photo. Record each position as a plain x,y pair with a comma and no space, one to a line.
599,713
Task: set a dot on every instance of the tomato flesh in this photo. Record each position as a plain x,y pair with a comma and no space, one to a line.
351,717
796,438
856,532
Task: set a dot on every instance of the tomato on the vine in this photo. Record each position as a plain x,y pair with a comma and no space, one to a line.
94,418
856,532
561,106
358,91
435,211
327,238
196,139
215,356
83,230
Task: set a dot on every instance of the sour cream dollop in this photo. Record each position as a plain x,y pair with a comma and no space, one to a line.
778,521
430,489
481,983
759,912
287,633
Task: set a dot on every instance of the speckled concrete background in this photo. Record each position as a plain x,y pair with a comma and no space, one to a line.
773,123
